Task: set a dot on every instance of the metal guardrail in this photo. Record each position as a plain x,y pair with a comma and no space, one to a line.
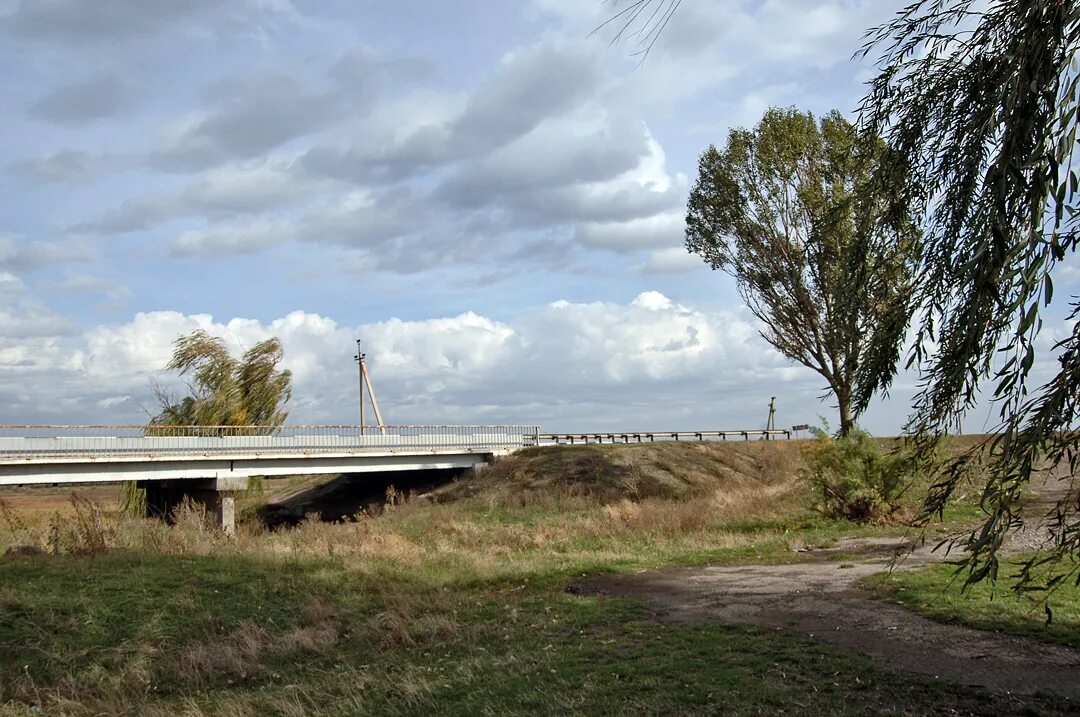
24,442
651,436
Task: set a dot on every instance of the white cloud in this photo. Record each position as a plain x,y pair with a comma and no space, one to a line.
357,219
663,231
651,360
220,193
675,260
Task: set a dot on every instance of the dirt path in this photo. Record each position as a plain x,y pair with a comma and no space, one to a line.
818,597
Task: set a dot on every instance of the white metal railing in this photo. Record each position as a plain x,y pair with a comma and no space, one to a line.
21,442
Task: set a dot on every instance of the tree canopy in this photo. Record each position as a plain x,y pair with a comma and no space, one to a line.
822,255
224,390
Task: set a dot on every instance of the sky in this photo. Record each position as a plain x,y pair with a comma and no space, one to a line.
489,194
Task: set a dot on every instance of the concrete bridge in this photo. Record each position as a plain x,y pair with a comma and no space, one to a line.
210,463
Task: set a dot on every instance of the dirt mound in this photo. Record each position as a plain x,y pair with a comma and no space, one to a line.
610,473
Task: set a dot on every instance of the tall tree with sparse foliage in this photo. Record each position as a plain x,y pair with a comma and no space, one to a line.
821,257
982,101
226,391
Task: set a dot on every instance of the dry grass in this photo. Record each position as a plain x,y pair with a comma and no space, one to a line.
537,510
540,510
535,477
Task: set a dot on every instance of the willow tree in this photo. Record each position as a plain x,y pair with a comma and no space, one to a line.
224,390
982,101
821,256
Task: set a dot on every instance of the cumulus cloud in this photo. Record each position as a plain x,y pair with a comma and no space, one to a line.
648,361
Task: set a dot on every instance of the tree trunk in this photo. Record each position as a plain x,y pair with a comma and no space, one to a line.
843,401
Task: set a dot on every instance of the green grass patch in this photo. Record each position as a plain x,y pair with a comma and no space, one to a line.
212,636
938,592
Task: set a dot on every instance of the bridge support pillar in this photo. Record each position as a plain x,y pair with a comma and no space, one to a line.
477,468
216,495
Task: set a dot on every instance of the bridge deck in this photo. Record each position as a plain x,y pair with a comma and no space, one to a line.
21,443
78,454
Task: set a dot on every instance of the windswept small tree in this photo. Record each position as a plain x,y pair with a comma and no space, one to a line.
821,258
226,391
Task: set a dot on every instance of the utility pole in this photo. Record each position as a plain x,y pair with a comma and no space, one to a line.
364,379
359,358
770,425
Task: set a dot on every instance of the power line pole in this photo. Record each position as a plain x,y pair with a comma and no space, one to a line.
359,358
770,425
364,379
374,401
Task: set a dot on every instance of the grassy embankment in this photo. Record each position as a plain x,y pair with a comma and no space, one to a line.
449,605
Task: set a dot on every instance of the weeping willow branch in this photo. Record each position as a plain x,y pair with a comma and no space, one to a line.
984,108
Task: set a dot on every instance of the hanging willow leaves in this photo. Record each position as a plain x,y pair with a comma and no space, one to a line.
982,104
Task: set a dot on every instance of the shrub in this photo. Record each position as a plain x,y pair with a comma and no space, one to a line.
852,479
